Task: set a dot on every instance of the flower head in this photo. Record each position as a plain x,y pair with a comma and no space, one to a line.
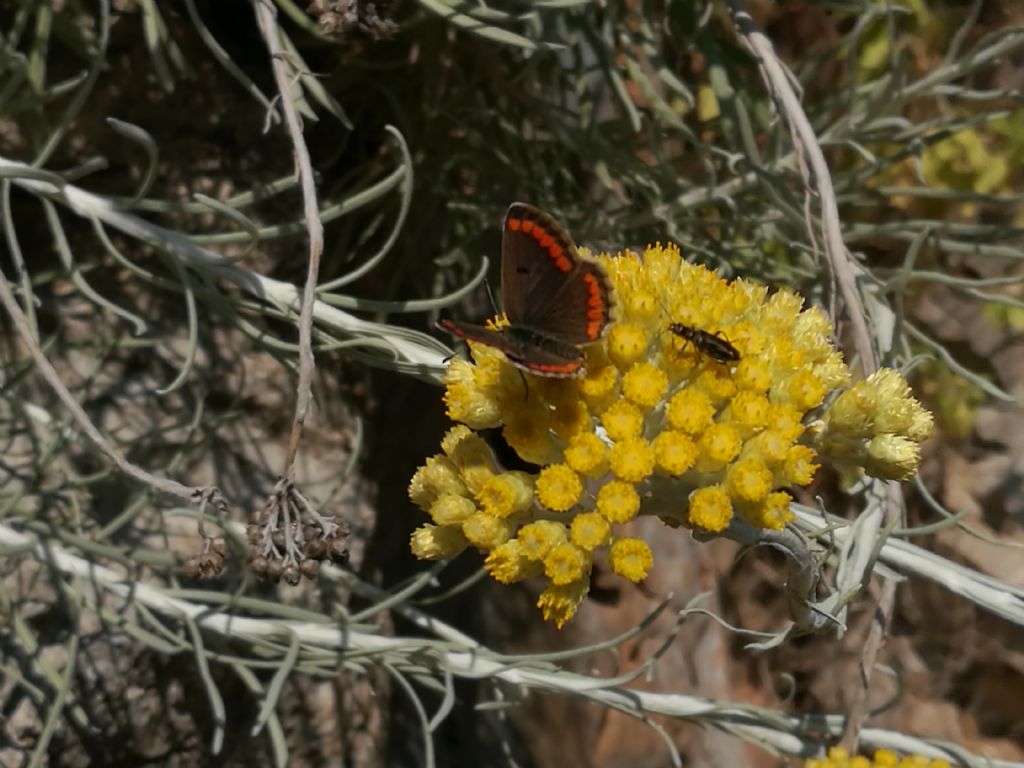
631,559
694,429
875,427
883,758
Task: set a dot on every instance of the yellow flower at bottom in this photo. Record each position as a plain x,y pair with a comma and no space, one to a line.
690,411
465,401
437,542
710,508
559,603
622,420
803,390
587,454
852,414
589,531
773,512
455,437
537,538
468,450
599,387
892,457
639,303
752,375
749,411
618,501
565,564
507,563
626,344
558,488
632,459
451,510
645,384
506,494
674,452
631,559
787,421
438,477
719,445
800,466
486,531
718,386
771,446
471,455
883,758
749,480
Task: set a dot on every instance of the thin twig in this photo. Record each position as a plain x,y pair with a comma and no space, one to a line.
429,657
815,172
266,16
416,351
816,175
857,708
162,484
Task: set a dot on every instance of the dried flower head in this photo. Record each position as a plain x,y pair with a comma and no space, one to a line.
289,540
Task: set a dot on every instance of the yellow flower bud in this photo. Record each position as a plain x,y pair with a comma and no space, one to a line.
631,558
437,542
558,488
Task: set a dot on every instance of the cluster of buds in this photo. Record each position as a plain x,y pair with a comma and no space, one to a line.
290,539
210,562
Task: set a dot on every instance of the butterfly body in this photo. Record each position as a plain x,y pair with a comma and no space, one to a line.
710,344
556,300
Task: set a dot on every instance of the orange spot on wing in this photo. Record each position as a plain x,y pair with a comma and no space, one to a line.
557,255
557,367
545,240
513,225
527,226
594,329
595,314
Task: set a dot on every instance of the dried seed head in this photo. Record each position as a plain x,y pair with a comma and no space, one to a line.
190,568
317,549
203,566
274,569
291,575
339,551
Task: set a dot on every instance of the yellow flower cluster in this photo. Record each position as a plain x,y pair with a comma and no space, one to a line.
876,427
883,758
660,424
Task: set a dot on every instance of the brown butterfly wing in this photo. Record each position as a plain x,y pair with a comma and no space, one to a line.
547,286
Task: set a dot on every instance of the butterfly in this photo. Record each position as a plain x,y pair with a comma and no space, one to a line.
556,299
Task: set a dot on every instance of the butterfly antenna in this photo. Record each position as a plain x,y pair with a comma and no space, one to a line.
490,295
664,312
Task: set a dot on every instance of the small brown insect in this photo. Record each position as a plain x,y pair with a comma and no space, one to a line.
710,344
